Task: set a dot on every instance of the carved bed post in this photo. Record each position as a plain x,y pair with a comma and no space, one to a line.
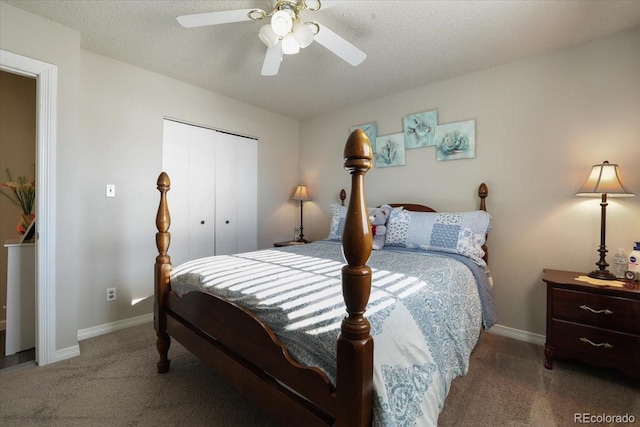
162,272
483,192
354,388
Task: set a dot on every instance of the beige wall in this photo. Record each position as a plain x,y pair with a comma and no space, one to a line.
120,142
17,153
541,123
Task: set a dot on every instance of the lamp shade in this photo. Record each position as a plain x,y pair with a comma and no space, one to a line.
303,34
268,36
301,193
281,22
604,179
290,45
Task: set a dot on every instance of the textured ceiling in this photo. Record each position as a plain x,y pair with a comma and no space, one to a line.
408,43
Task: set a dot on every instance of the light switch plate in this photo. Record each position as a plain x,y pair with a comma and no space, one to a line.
111,190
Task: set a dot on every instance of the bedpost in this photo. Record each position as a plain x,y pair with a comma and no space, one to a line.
483,192
354,382
161,273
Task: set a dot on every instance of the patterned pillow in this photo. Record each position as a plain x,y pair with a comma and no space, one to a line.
461,233
338,217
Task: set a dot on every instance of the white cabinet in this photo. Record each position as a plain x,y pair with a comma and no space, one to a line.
21,296
213,197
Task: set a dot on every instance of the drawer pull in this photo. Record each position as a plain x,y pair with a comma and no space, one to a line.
603,344
587,308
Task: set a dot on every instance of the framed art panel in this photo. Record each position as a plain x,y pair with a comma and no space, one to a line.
390,151
419,129
456,140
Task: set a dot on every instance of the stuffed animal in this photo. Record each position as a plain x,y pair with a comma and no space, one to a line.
378,219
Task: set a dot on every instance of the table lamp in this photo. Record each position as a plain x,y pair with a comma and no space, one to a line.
604,180
301,194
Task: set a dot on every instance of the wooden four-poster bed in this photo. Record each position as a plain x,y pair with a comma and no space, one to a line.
246,352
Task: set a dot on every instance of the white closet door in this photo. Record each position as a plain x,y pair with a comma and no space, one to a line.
202,149
247,195
236,194
175,162
226,194
213,197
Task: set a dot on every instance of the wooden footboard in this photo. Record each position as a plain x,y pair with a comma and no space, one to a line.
247,354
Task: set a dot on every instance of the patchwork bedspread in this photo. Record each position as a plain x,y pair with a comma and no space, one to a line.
425,311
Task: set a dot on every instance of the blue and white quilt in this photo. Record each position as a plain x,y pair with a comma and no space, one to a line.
425,310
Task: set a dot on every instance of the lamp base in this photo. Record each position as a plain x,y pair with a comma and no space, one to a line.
602,275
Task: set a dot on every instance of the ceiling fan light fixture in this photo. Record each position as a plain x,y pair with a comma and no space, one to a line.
290,45
268,36
303,34
281,22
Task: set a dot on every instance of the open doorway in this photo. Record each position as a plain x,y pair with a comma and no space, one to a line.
17,259
46,76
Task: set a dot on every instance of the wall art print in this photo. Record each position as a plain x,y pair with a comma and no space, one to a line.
371,130
419,129
456,140
390,151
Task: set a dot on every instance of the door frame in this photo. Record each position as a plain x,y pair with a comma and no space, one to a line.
46,76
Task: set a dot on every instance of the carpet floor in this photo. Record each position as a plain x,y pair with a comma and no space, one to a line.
113,383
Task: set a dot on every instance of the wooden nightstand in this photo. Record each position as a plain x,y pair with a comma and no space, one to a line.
292,243
596,324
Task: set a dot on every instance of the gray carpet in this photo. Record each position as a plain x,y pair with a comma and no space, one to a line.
113,383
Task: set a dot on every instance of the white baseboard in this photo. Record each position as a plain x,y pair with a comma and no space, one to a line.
67,353
95,331
517,334
73,351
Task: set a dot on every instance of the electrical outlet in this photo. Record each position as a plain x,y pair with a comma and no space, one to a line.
111,294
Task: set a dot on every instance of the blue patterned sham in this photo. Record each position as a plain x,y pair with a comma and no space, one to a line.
462,233
338,217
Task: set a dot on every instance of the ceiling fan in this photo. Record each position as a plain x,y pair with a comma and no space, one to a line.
286,34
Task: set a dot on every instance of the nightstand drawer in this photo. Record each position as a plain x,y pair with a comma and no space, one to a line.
604,311
602,343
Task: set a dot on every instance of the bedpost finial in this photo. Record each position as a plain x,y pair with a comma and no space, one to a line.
357,151
483,191
164,183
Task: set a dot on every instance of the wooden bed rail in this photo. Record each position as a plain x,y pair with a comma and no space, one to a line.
354,381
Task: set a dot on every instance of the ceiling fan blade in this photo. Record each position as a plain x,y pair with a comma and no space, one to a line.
214,18
272,60
339,46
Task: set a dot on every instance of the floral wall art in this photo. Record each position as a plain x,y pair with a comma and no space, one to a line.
452,141
390,151
419,129
456,141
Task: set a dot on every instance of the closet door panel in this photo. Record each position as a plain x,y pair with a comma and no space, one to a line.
202,168
227,167
247,195
175,162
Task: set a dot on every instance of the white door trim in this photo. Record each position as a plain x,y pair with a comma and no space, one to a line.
46,99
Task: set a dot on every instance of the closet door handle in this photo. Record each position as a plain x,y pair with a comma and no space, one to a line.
201,222
226,222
